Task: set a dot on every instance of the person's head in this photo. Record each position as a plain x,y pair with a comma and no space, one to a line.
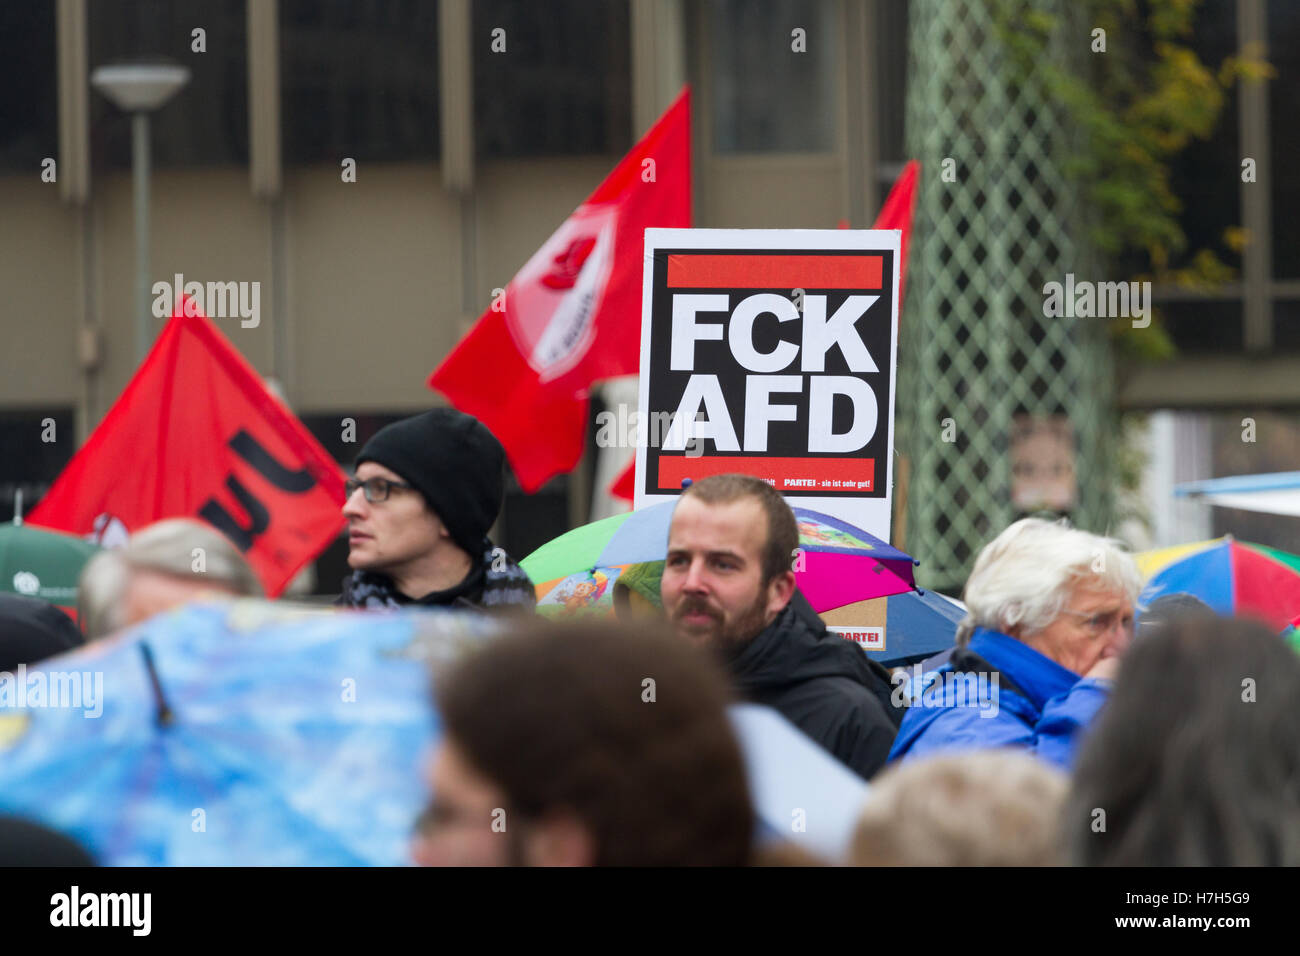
976,808
426,484
1067,593
587,744
32,630
1195,761
636,592
161,566
25,842
1168,610
730,552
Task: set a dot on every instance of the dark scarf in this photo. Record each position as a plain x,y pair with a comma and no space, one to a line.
495,583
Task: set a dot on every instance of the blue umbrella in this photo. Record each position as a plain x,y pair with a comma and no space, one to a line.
917,624
1275,493
244,733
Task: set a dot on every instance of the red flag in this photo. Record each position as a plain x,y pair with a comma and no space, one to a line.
896,213
624,486
196,434
572,314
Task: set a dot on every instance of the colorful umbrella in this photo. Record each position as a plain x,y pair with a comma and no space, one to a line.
1292,634
918,623
41,563
1232,577
243,733
839,564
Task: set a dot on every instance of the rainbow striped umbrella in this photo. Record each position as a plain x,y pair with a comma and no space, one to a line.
1232,577
839,564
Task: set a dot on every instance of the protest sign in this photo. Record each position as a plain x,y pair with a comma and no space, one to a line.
772,353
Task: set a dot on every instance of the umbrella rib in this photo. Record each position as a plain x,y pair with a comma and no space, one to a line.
163,713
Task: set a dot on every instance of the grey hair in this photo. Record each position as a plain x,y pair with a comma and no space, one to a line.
100,593
1023,577
165,547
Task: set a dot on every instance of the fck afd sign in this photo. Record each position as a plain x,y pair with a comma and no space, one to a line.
772,353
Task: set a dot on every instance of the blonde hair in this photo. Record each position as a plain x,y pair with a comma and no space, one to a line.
977,808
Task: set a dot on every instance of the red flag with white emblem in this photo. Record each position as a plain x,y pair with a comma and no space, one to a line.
572,314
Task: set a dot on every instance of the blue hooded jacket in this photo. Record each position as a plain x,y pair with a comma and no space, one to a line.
1046,719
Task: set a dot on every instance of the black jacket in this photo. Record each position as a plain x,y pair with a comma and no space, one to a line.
32,630
822,684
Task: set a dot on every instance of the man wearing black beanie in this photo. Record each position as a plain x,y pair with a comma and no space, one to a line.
426,491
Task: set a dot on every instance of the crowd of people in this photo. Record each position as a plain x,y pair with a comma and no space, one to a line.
1061,728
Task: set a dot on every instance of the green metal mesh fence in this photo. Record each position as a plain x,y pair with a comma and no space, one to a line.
976,347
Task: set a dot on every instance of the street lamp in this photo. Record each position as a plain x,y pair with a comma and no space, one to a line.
139,87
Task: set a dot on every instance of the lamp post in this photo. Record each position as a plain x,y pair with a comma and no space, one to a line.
139,88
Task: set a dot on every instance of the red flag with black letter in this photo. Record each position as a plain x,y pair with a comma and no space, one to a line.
572,314
197,434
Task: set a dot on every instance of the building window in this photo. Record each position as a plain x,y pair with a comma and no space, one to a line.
529,521
562,84
772,88
359,80
890,74
29,108
1201,326
1208,175
1284,93
28,462
206,123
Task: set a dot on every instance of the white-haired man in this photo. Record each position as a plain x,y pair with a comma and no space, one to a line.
159,568
1049,613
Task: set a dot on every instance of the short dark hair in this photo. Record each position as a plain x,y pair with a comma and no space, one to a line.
1168,609
1190,769
782,529
559,718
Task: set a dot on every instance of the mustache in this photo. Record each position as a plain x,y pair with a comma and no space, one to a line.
691,605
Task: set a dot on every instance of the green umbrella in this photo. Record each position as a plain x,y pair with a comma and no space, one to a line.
42,563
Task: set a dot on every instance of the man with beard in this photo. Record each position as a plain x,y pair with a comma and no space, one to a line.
728,587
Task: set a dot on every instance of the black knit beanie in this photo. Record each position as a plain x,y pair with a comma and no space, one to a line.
454,461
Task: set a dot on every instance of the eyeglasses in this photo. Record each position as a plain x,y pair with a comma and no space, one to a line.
377,489
1103,622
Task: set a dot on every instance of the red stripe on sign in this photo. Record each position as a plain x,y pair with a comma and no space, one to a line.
785,474
774,272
